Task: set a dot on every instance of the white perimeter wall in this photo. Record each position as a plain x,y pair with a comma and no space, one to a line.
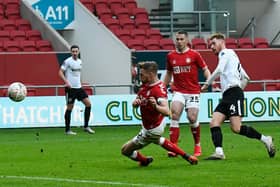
105,59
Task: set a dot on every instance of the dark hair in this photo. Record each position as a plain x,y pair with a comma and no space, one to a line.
150,66
217,36
74,46
182,32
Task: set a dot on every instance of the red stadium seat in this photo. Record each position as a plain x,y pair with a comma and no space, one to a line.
4,35
2,14
121,13
138,34
123,34
88,4
28,46
261,43
12,4
111,23
139,13
103,12
2,49
231,43
142,23
135,44
12,46
151,44
7,24
115,4
44,45
245,43
101,4
17,35
127,23
167,44
2,5
23,24
153,34
198,43
13,13
33,35
130,4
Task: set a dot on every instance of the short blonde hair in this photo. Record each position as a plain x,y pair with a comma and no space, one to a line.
217,36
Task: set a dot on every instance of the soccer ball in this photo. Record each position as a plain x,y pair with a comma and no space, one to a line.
17,91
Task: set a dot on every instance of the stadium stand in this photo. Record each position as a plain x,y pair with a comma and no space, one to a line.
127,23
130,4
231,43
28,45
261,43
2,49
33,35
138,34
23,24
152,44
198,43
4,35
123,34
166,44
44,45
17,35
111,23
153,34
89,4
245,43
115,4
121,13
135,44
12,46
142,23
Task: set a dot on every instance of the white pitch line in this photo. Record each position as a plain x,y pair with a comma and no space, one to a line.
78,181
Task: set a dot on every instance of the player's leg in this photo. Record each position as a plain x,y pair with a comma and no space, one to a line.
70,100
250,132
131,149
67,118
216,134
171,147
86,101
192,114
177,107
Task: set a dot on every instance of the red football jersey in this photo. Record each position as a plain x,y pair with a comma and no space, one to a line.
184,67
150,117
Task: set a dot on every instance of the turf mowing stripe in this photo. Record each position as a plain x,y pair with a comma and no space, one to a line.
78,181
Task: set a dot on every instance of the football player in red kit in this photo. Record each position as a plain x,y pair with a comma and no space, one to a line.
152,100
183,65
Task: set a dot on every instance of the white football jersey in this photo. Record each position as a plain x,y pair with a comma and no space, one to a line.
72,69
230,70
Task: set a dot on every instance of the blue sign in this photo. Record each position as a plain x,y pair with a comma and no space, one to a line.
59,13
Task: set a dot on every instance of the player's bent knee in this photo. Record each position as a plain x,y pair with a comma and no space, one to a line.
125,151
235,129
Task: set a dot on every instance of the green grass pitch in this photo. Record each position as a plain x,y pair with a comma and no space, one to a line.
47,157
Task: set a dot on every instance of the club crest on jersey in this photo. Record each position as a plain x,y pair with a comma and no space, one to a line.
174,62
148,93
188,60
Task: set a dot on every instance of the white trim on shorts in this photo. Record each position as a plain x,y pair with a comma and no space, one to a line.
145,136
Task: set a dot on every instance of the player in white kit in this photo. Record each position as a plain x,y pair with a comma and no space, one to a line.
70,73
233,80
